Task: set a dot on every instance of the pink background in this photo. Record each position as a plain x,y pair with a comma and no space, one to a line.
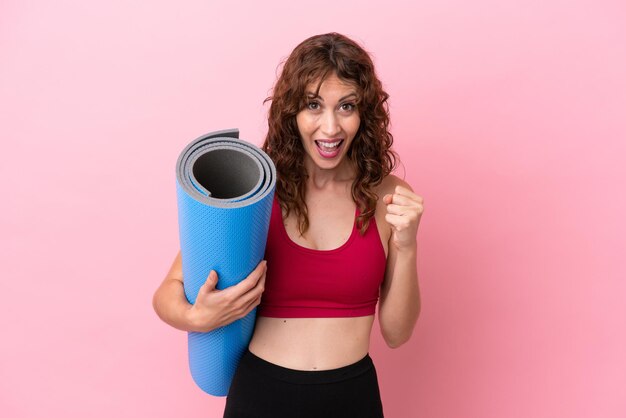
509,117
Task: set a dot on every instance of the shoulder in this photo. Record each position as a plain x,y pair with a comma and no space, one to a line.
389,185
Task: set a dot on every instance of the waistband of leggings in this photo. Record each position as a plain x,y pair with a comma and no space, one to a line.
307,376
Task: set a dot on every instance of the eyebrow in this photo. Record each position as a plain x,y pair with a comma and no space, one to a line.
317,96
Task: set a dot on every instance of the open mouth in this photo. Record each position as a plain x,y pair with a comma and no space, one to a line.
329,149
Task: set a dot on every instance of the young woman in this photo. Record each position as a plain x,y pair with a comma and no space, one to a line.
342,239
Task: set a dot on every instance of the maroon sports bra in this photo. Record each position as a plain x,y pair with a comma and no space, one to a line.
306,283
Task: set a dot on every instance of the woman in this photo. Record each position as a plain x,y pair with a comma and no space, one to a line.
342,238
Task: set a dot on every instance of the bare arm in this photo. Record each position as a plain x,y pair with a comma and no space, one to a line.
400,297
213,308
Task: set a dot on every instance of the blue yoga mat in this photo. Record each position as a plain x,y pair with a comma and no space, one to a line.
225,187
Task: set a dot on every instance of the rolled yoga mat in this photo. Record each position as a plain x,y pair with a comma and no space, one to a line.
225,187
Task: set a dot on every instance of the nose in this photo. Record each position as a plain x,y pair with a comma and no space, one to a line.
330,124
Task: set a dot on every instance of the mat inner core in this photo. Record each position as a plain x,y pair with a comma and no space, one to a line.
226,173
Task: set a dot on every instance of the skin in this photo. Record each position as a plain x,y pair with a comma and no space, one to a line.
320,343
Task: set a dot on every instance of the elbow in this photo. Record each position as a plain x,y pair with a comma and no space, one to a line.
156,305
154,300
396,336
395,341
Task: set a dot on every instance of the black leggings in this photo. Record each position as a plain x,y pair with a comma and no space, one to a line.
262,389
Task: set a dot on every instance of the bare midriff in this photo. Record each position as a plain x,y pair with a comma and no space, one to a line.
312,343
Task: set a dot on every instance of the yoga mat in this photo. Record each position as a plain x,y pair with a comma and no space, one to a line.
225,187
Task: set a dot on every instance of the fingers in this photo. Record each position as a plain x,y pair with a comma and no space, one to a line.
249,300
254,293
406,192
210,283
249,282
403,202
398,222
403,208
403,198
251,305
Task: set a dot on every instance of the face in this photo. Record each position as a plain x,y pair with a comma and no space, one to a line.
328,123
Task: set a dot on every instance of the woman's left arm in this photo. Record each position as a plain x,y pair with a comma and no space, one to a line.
400,297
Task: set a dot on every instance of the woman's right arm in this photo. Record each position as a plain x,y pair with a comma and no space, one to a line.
213,308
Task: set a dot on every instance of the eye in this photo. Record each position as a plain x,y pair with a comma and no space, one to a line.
313,105
347,107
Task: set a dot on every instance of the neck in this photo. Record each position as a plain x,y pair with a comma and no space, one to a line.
320,178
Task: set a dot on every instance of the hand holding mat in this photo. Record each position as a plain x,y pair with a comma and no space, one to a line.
225,187
216,308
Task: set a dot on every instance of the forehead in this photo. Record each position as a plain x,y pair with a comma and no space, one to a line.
330,86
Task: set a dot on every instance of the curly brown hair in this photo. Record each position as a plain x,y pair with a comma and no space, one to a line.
370,152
